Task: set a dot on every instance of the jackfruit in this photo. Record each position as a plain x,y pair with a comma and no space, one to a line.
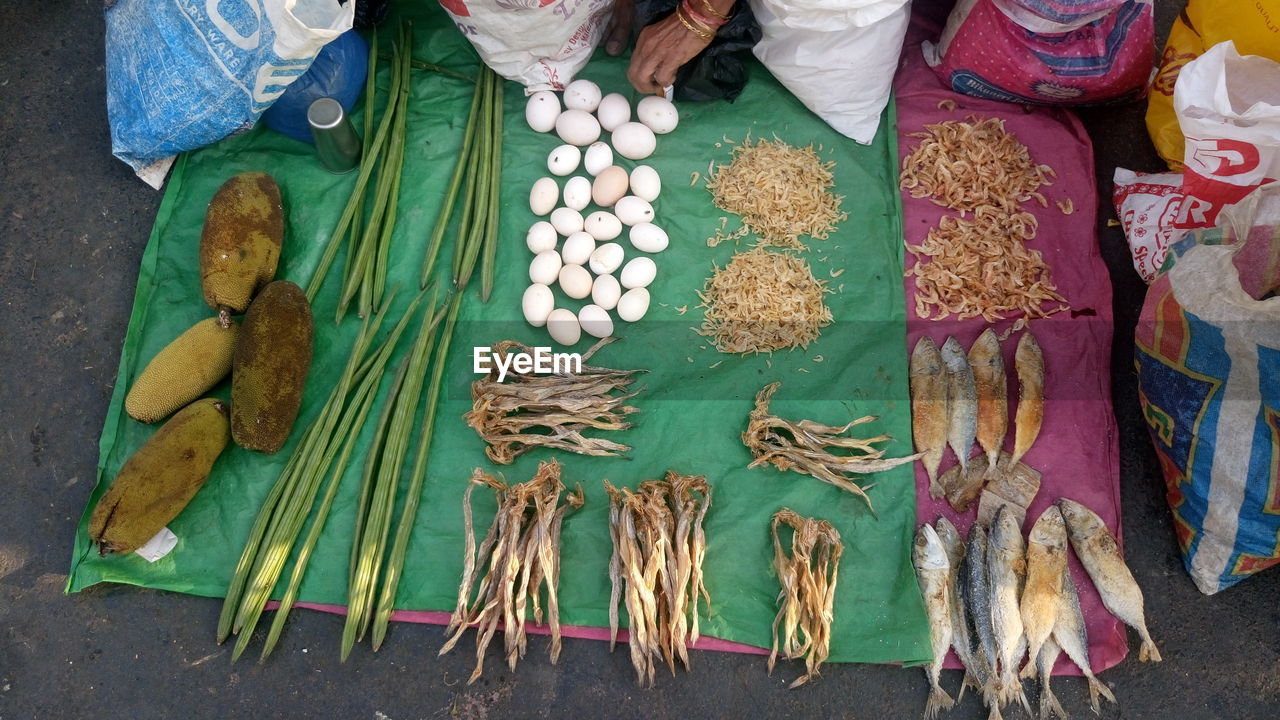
240,243
269,367
158,480
184,370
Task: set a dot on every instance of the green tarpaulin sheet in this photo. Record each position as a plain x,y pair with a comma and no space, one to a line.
691,415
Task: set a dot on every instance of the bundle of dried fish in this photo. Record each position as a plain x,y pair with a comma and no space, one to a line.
527,410
804,446
522,551
658,548
763,301
808,577
933,572
780,191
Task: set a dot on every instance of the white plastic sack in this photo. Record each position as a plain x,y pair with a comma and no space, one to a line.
1228,108
837,56
181,74
541,45
1147,205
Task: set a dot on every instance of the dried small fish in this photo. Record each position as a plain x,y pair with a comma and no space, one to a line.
1046,566
929,412
803,445
1100,554
528,410
808,577
933,571
962,401
1069,633
1044,661
658,549
961,637
522,551
1006,568
1029,362
976,590
993,395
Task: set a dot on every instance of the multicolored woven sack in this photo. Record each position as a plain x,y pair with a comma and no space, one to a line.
1208,361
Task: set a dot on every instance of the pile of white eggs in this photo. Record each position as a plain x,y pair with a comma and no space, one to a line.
578,252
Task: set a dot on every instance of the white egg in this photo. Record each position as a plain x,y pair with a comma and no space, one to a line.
566,221
595,321
633,305
578,127
563,326
577,248
613,111
606,258
632,140
599,156
543,196
647,237
545,267
658,113
582,95
542,110
631,210
603,225
577,193
605,291
609,186
563,160
541,237
645,183
537,304
575,281
638,273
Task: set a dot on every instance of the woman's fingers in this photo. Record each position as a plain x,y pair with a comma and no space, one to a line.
618,33
661,50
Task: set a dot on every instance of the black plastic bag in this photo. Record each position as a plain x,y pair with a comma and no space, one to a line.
718,71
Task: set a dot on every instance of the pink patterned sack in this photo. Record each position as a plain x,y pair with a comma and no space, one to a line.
985,53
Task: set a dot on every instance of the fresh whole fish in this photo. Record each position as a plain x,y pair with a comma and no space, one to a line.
1044,661
993,395
962,401
961,639
929,414
1042,594
1070,635
933,570
1006,568
976,590
1100,554
1029,362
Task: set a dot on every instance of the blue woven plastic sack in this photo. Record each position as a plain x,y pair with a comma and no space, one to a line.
185,73
1208,361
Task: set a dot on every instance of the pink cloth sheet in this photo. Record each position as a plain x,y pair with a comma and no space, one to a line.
1077,449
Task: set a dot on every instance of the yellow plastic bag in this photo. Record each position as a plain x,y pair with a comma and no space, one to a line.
1254,25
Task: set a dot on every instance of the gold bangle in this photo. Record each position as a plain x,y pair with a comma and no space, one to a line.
714,12
704,34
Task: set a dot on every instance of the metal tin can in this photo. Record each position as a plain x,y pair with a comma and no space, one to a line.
337,144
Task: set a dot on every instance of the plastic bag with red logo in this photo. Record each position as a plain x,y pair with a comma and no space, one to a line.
1147,205
1228,107
541,44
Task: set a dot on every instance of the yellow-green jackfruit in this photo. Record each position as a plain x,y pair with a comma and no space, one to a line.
240,243
269,367
158,480
184,370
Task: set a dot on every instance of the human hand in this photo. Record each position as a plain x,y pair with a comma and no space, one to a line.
661,50
617,35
